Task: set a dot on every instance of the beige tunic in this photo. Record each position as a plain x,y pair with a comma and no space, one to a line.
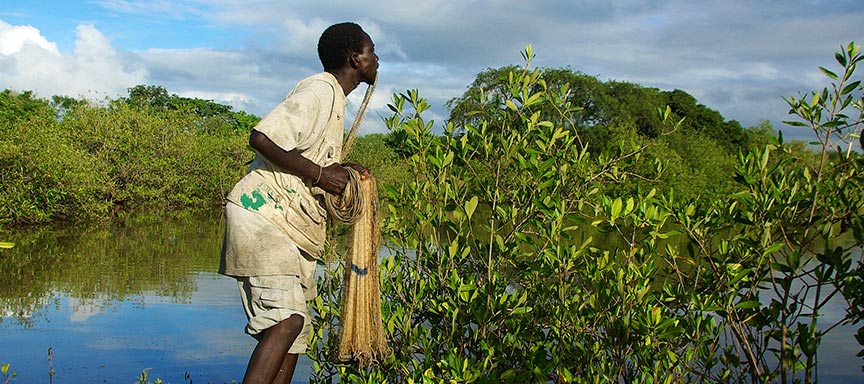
310,119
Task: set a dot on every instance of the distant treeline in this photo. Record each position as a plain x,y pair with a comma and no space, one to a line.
70,159
689,148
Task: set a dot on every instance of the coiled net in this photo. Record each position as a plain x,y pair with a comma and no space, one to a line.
363,341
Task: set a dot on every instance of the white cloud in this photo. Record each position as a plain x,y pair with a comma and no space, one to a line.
300,37
14,38
95,69
737,57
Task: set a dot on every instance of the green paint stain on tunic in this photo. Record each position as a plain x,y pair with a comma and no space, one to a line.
273,199
253,202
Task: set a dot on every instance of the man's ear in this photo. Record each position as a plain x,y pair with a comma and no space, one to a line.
354,60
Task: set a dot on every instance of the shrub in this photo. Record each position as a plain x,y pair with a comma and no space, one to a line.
508,263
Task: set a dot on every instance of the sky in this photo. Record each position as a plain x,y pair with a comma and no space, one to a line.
735,56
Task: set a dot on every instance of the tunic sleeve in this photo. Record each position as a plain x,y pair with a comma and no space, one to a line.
300,120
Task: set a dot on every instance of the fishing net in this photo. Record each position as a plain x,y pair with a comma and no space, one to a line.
363,341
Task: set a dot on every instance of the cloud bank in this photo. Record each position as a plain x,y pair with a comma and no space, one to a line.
738,57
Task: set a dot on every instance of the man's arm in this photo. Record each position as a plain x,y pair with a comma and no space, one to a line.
331,179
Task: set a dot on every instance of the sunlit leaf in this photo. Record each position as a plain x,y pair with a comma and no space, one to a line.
521,310
828,73
617,205
471,206
510,104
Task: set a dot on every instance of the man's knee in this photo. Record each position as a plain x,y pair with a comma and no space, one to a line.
290,326
295,320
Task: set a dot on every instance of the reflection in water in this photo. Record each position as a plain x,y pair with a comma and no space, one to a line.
111,300
98,264
142,293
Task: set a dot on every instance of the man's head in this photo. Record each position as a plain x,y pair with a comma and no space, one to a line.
346,44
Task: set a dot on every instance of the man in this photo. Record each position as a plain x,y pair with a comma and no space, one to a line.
275,227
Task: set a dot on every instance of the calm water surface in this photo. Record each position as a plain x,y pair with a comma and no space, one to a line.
109,302
142,293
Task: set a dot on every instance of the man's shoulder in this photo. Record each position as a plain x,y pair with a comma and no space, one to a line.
323,85
320,80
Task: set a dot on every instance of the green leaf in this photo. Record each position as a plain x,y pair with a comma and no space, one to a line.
828,73
512,105
454,248
851,87
6,245
471,206
617,205
781,267
747,304
795,123
774,248
840,58
521,310
817,97
534,99
540,144
465,292
448,159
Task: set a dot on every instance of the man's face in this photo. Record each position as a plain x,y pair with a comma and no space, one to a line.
367,61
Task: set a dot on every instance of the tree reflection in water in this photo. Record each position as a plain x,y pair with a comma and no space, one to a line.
114,298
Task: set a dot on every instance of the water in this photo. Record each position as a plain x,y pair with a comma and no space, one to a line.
103,340
112,301
142,293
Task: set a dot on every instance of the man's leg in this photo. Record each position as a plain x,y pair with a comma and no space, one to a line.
271,353
287,370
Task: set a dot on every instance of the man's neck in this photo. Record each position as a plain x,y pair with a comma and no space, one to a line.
346,78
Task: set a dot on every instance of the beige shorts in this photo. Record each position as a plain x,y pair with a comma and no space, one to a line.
271,299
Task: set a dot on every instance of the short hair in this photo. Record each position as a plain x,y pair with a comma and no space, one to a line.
338,42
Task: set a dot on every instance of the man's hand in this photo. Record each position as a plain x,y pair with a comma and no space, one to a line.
363,171
334,177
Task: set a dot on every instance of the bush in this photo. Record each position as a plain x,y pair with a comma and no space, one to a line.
93,158
45,177
507,263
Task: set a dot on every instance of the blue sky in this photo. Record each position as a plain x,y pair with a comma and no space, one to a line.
738,57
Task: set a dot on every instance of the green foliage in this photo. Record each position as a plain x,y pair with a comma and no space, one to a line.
831,114
76,160
142,379
373,152
509,262
698,152
153,157
491,276
43,175
20,107
601,111
215,118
